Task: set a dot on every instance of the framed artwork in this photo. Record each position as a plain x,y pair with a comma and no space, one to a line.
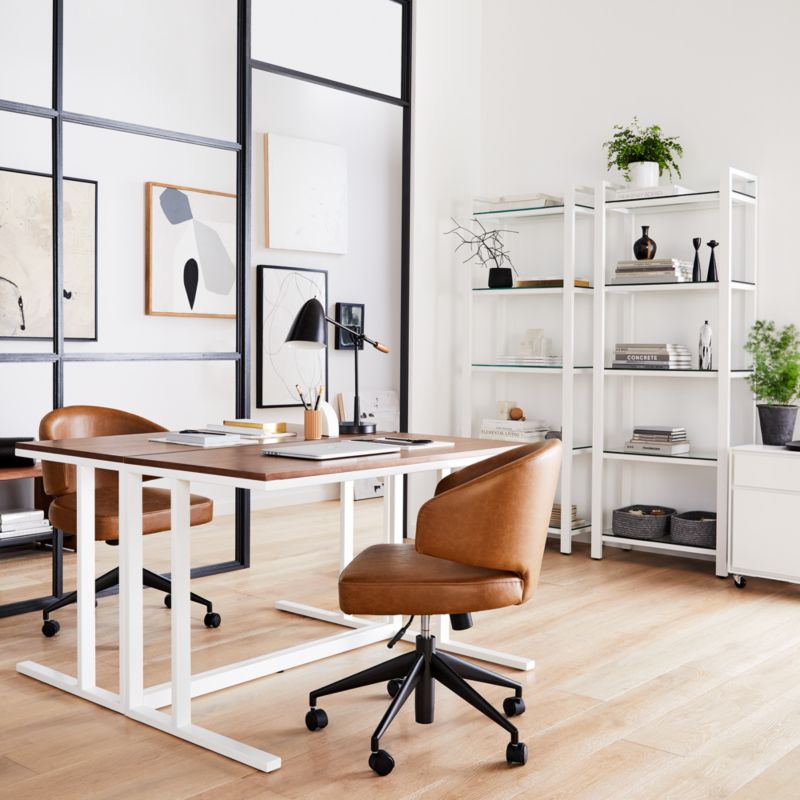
280,292
305,195
26,256
190,252
352,315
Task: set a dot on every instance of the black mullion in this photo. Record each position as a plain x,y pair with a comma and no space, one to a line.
57,147
405,224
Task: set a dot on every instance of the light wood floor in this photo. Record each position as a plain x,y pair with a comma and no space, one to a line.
653,680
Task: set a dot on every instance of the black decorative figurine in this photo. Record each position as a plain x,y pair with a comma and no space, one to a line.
696,270
644,248
712,276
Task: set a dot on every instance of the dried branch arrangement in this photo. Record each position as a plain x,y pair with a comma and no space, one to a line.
487,246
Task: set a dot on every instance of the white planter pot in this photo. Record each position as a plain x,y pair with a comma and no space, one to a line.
644,174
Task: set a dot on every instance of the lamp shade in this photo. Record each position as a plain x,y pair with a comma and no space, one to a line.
309,329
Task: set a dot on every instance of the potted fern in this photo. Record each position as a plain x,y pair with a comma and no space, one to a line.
776,378
642,155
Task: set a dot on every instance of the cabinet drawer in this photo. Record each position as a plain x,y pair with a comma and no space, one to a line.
766,532
768,472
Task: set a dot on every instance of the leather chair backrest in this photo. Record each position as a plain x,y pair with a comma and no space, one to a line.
79,422
495,513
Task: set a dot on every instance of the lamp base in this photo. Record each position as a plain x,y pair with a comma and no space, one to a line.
350,427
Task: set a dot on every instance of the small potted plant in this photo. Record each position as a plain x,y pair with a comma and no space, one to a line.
488,248
776,378
642,155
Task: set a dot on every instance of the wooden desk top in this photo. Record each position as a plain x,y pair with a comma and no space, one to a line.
247,463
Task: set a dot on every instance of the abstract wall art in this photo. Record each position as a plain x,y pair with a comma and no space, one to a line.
190,252
26,256
305,196
281,291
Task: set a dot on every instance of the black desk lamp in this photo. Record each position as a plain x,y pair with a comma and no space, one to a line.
308,330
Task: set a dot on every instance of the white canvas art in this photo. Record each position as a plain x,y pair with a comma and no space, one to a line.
191,252
26,256
280,367
305,195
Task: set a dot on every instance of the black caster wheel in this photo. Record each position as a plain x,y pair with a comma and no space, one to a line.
739,581
513,706
168,600
381,762
50,627
212,620
517,753
393,687
316,719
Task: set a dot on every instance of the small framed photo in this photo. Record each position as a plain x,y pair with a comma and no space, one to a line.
352,315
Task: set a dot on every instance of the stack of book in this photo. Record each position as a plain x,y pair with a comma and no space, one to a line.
651,356
23,522
529,430
555,517
548,283
529,361
656,191
654,270
658,440
252,427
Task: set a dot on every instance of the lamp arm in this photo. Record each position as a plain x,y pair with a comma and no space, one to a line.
356,335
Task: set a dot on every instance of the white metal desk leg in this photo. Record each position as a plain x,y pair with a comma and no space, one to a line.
181,618
131,632
393,509
346,523
441,623
85,581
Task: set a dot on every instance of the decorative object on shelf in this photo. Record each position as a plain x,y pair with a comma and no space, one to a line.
488,249
190,252
704,354
656,270
644,248
641,522
651,356
305,195
529,430
504,407
643,154
658,440
776,378
7,455
535,344
713,275
694,528
280,293
350,315
576,522
517,414
554,434
26,263
697,272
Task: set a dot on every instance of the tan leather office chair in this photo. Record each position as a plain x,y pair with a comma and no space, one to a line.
479,545
77,422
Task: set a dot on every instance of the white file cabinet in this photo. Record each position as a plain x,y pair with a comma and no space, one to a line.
765,514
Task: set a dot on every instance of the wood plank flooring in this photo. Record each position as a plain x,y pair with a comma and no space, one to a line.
654,680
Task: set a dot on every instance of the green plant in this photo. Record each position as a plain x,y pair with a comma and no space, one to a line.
632,143
776,362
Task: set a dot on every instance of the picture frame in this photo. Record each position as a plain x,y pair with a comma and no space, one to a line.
190,252
280,292
26,257
352,315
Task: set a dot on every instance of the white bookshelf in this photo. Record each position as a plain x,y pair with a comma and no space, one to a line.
715,406
556,235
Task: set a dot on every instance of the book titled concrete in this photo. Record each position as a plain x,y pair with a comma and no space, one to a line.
658,448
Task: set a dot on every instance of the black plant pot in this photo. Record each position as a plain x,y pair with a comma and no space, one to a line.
500,278
777,423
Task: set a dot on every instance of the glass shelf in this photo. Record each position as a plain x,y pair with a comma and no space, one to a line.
575,528
651,286
554,368
675,373
697,199
706,458
485,291
530,211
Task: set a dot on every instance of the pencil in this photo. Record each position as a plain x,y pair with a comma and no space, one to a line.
302,399
319,397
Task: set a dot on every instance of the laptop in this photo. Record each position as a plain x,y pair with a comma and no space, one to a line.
323,451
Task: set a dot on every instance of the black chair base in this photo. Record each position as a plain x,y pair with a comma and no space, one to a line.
418,672
110,579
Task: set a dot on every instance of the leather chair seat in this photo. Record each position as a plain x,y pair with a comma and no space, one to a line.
396,579
155,506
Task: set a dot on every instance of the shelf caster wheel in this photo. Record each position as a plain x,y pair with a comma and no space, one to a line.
316,719
513,706
517,753
739,581
393,687
168,600
50,627
381,762
212,620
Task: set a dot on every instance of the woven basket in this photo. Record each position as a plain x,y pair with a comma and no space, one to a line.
647,526
688,528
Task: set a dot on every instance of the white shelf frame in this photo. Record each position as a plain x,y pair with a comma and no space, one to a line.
725,199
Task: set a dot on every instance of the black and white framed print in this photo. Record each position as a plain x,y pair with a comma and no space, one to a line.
26,256
352,315
280,293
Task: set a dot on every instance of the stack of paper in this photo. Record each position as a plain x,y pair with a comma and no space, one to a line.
22,522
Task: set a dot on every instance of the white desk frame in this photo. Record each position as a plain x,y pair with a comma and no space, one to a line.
143,704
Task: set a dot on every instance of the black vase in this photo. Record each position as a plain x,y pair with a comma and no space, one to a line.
644,248
697,272
777,423
500,278
712,276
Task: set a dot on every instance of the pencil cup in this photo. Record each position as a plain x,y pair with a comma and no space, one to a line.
312,424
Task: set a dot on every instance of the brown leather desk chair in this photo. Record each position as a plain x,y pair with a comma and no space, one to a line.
75,422
479,545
